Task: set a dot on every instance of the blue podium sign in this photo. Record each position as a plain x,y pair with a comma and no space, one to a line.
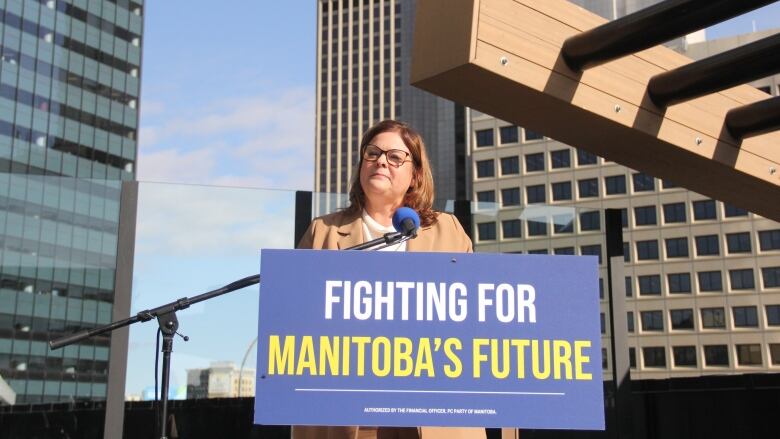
429,339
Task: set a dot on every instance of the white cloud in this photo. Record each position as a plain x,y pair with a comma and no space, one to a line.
257,141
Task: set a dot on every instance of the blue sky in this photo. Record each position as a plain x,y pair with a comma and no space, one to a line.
228,93
228,100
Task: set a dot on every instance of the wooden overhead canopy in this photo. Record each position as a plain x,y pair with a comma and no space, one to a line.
502,57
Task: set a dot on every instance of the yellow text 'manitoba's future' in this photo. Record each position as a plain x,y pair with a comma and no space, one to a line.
500,358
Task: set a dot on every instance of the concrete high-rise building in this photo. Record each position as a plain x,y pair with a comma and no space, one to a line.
364,58
702,276
69,88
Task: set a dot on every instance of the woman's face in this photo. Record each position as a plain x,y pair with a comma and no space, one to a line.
382,182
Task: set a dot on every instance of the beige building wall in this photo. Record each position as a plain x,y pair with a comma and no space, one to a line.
746,336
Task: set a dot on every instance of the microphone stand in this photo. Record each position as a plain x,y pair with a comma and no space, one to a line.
169,324
386,240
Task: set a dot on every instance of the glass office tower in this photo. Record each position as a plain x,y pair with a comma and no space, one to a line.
69,88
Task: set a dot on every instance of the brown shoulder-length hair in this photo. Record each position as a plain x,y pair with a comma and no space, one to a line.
420,194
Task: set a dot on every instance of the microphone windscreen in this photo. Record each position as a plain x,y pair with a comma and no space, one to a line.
402,215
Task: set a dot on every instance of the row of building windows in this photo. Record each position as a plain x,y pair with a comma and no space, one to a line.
41,139
50,36
44,391
43,103
708,281
711,318
345,4
64,76
713,356
95,21
706,245
509,135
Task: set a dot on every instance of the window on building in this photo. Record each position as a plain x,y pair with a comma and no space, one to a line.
510,165
511,228
535,194
769,240
676,247
654,356
650,285
731,211
603,320
774,353
626,252
652,320
745,316
647,250
684,356
486,231
534,162
704,210
485,138
585,158
630,321
738,242
564,251
710,281
537,227
674,213
615,184
590,221
679,283
560,158
632,358
742,279
563,223
508,134
681,318
643,182
486,200
540,251
561,191
716,355
485,168
629,286
773,315
771,277
601,288
707,245
591,250
588,187
749,354
670,184
624,217
713,318
644,216
531,135
510,196
604,359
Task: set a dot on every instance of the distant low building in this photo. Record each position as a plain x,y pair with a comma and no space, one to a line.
221,380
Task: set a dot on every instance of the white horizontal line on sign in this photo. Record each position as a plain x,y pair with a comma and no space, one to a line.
432,391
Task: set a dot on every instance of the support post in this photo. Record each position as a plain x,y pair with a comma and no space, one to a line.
123,287
620,405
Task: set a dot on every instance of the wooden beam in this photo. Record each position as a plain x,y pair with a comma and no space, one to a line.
503,58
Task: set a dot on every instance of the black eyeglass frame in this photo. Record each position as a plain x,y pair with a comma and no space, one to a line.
386,153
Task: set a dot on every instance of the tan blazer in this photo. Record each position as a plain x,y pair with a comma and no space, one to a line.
338,231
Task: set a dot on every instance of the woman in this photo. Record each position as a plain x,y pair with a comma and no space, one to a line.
393,172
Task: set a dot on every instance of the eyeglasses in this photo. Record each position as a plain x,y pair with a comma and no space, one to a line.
395,157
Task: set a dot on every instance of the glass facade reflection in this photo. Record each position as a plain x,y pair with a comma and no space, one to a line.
69,87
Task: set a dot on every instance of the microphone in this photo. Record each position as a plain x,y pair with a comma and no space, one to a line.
406,221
